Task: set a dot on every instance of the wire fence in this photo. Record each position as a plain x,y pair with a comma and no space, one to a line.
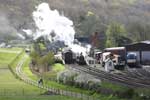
18,92
24,93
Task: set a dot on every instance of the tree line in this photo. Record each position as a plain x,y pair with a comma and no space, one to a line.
88,16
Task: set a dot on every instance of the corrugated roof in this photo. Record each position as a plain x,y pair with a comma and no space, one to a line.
115,48
146,42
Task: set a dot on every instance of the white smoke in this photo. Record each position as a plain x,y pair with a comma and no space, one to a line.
21,36
28,32
52,25
55,27
79,49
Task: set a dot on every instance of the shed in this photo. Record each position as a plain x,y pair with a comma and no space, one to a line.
142,49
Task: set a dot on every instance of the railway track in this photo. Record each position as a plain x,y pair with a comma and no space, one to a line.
140,74
126,79
147,70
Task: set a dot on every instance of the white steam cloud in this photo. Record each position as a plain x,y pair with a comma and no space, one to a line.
52,25
55,27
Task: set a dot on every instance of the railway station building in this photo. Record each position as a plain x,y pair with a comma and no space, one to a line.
142,49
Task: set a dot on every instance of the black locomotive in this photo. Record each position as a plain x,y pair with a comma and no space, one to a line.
72,58
68,57
81,60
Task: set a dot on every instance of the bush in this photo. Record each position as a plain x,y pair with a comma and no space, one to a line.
73,78
66,77
43,62
129,93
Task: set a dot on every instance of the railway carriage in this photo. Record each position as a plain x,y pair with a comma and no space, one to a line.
119,56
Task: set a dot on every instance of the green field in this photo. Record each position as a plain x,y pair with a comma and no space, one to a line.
15,89
11,49
51,97
10,85
6,58
7,55
27,70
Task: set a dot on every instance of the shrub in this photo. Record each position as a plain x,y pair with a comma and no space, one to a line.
129,93
66,77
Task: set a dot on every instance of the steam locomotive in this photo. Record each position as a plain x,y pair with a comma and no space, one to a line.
72,58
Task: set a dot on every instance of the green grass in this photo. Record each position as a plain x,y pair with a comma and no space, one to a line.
42,46
26,68
66,87
15,62
51,97
8,81
7,55
6,58
114,87
12,49
56,68
15,89
11,85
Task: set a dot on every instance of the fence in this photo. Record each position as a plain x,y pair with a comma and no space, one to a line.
59,91
17,92
18,73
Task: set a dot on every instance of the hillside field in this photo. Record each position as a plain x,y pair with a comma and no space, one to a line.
14,89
